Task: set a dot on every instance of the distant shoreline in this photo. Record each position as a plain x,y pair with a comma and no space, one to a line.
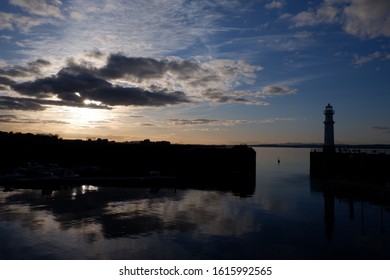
318,146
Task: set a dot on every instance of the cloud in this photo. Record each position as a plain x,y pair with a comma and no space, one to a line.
147,124
33,68
275,4
223,122
7,118
40,7
325,13
361,18
38,104
155,28
273,120
65,85
25,104
360,60
17,119
135,81
204,122
9,21
138,81
140,68
6,81
78,16
115,96
303,35
384,129
368,18
245,97
76,86
189,73
277,90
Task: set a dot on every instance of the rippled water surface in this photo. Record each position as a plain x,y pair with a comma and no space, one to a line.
286,217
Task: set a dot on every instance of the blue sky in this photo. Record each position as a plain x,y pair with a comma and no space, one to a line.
203,71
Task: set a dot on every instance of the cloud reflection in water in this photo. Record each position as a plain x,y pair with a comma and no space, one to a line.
95,222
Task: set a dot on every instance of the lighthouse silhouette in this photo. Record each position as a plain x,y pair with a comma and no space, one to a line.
329,130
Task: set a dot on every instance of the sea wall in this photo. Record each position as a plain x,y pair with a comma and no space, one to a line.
358,166
203,164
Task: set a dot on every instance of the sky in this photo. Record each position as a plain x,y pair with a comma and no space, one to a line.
205,71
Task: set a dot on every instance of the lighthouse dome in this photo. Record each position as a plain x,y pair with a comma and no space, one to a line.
329,109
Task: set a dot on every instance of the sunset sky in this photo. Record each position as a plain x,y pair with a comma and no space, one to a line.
204,71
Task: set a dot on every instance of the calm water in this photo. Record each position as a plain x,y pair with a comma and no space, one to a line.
284,219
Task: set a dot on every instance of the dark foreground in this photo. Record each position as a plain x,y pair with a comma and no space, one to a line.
45,160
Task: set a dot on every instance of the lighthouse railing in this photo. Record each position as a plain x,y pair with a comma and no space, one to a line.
327,111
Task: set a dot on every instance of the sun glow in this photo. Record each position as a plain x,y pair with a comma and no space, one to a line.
86,117
93,102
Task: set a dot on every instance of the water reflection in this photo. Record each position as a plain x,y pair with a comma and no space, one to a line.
289,216
90,215
358,199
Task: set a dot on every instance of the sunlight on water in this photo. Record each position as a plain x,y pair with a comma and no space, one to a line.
88,188
286,218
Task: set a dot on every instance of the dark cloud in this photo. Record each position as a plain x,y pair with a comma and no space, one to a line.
26,104
142,68
7,118
38,63
139,81
32,68
186,69
95,54
16,71
70,103
6,81
65,85
75,84
16,119
33,104
114,96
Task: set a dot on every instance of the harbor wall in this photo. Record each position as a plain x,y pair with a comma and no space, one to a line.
357,166
200,164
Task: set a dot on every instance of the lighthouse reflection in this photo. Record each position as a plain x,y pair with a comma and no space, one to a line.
358,202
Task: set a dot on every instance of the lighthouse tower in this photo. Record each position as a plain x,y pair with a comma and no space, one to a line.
329,131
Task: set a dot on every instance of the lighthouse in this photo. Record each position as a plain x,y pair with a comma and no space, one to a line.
329,130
